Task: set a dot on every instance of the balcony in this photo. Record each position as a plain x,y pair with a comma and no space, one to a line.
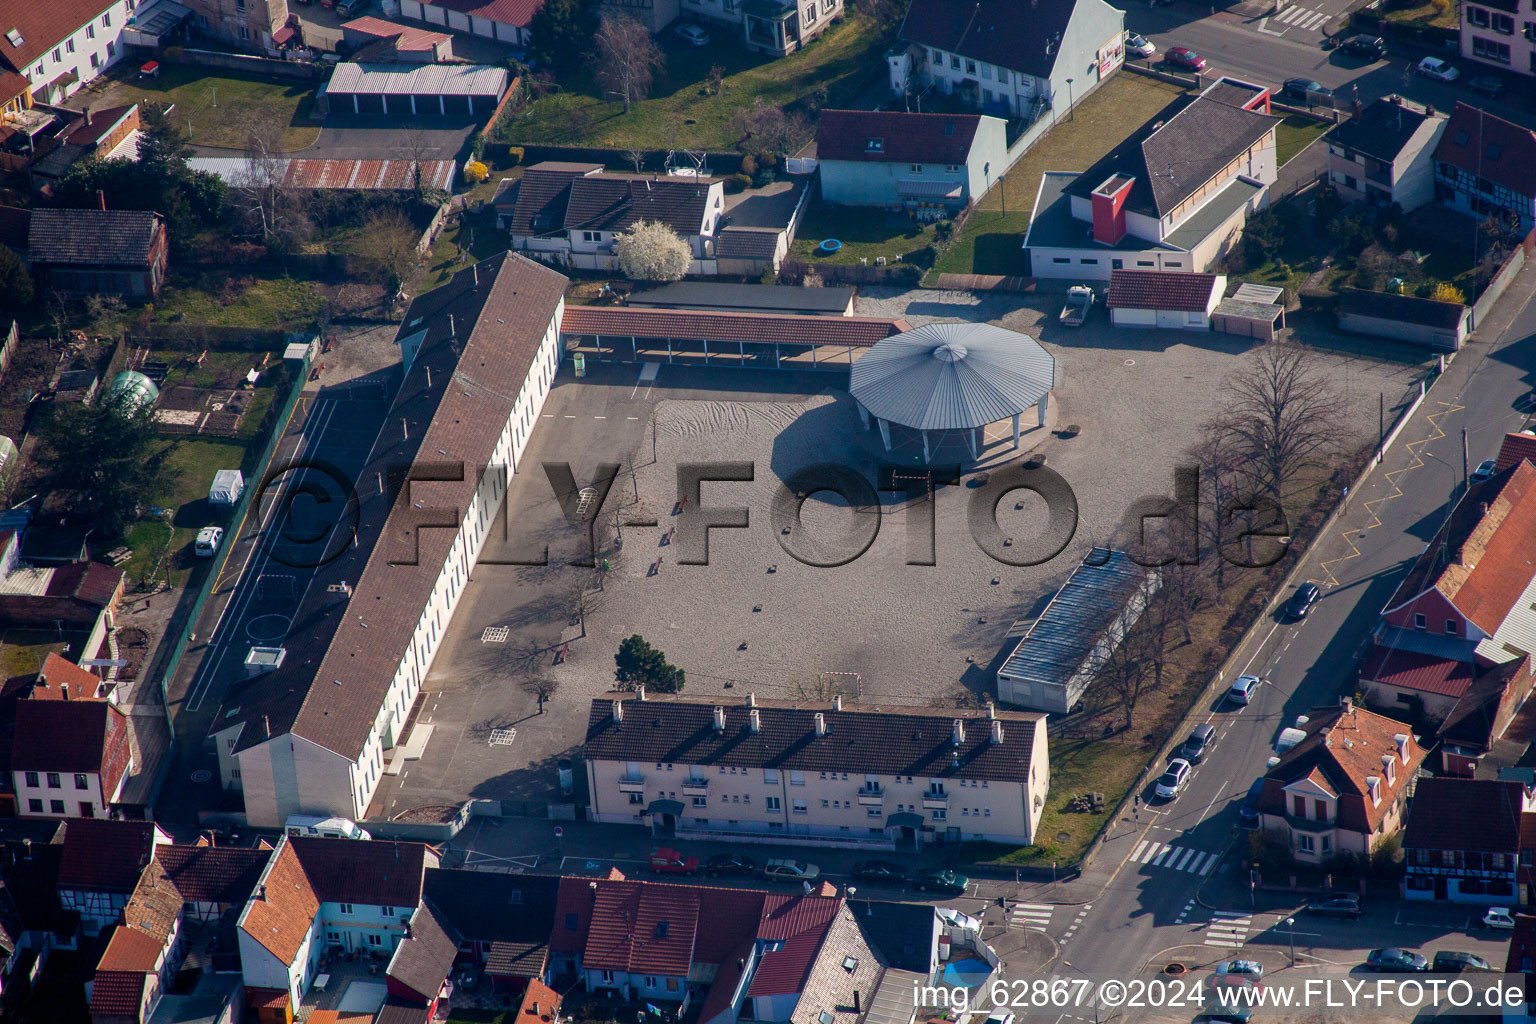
871,796
935,801
631,783
696,787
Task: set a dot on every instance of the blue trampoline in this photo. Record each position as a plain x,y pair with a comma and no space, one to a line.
829,246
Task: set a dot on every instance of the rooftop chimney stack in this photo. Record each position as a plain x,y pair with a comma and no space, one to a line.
640,692
997,731
618,711
837,702
991,712
821,724
101,199
754,723
958,732
719,719
751,700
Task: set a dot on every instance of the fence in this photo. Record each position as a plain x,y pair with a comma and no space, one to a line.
1501,280
908,275
196,337
265,66
168,663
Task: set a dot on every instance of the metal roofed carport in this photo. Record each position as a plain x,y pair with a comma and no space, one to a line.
891,1002
433,84
952,376
1066,646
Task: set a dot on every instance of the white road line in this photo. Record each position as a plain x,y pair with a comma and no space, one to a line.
1210,864
1315,22
1235,916
1151,852
1291,14
1269,32
1185,859
1158,860
1136,853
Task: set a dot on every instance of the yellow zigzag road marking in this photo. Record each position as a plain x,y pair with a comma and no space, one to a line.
1371,506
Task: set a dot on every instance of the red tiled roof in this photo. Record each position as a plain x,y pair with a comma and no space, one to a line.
1465,814
1410,670
12,85
1160,289
1516,447
69,736
213,874
902,138
406,37
117,994
59,675
800,922
508,12
279,916
149,920
1491,148
93,582
622,321
42,26
105,855
541,1004
267,998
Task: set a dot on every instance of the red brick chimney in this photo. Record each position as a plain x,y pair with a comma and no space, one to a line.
1109,208
101,199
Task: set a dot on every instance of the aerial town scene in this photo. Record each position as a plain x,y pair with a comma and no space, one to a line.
767,511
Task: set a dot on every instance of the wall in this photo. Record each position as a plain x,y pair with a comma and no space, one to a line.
1414,167
1522,51
1501,280
1415,334
240,22
1043,265
248,64
66,791
859,183
1094,23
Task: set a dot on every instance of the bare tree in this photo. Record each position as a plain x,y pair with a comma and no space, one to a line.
768,130
258,185
388,242
417,150
636,157
627,58
1283,418
540,688
1128,653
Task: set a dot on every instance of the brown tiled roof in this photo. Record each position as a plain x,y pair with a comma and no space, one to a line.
376,872
105,855
406,37
149,919
791,329
616,202
88,736
117,994
60,675
903,138
267,998
43,26
1481,561
1160,289
1003,32
422,961
397,1010
747,243
102,123
93,237
283,908
213,874
1347,747
493,907
1516,447
1491,148
497,312
1465,814
508,12
1411,670
517,959
543,192
12,86
93,582
862,738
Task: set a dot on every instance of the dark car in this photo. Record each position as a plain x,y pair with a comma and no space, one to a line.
1488,85
1394,959
1302,601
1306,90
879,871
1449,961
1248,813
1342,904
1373,47
1185,58
729,864
940,880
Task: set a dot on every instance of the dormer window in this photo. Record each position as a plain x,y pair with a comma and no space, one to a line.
874,146
13,36
1373,789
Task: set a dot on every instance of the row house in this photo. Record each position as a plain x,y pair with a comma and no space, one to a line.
100,865
50,50
248,24
831,774
1462,840
1485,167
1500,34
1385,155
69,757
142,955
775,27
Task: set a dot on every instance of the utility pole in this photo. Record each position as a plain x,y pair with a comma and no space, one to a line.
1381,421
1463,458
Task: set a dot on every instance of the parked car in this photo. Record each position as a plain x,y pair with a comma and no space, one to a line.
1499,917
1484,470
1252,967
1200,743
1140,46
1339,904
351,8
1173,780
1394,959
1248,812
879,871
1242,689
1302,601
1438,69
1488,85
729,864
668,861
791,870
692,35
1449,961
208,540
1306,90
942,880
1373,47
999,1016
1185,58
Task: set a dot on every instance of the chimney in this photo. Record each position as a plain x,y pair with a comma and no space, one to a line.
837,702
997,731
1347,703
64,691
261,892
991,712
754,723
101,199
751,700
453,331
618,711
1108,205
640,692
719,719
87,112
821,724
1401,739
958,732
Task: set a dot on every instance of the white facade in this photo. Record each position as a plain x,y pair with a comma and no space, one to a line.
62,795
1408,181
880,183
289,774
458,21
87,51
1172,319
1498,38
595,250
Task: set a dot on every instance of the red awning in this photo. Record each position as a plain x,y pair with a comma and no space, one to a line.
284,35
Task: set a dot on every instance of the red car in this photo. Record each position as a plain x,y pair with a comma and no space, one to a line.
670,862
1184,57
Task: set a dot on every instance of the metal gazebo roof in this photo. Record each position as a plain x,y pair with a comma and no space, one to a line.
952,376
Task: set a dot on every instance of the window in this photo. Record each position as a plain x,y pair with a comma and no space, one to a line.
1450,626
986,72
701,801
1090,261
1477,16
95,62
597,236
772,803
1174,263
938,58
1060,259
106,19
90,31
1320,808
940,814
35,806
915,169
1488,49
81,782
1146,263
1530,31
952,168
827,6
799,806
1327,844
56,806
874,812
346,908
1419,622
1305,843
637,798
53,781
375,940
970,67
608,976
825,803
32,779
1002,75
69,45
571,922
650,982
954,62
810,14
388,911
1117,264
771,776
245,33
671,984
58,55
1196,317
1504,24
796,779
1299,805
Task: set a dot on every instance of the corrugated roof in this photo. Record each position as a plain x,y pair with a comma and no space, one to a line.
508,12
1066,635
396,175
1410,670
952,376
753,328
425,80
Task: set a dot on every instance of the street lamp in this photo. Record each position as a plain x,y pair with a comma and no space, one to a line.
1079,970
1290,930
1071,113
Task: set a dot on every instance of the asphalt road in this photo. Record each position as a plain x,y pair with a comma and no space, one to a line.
1149,911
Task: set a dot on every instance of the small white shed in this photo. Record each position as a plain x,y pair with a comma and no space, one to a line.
227,487
1163,298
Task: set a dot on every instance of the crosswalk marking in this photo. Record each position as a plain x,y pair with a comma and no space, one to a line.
1228,929
1136,853
1300,17
1179,858
1034,916
1184,859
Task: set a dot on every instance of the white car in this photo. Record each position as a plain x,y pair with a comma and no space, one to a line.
1500,918
692,34
791,870
999,1016
1173,780
1242,689
208,540
1484,470
1438,69
1139,46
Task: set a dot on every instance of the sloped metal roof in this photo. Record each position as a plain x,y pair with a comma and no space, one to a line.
1068,639
952,376
423,80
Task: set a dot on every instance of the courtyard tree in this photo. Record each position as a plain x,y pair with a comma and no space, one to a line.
561,35
639,664
15,283
651,251
105,457
388,243
627,58
541,689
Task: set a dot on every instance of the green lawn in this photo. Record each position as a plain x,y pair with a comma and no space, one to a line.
680,114
443,259
1295,134
990,242
221,109
865,234
1427,14
23,651
279,303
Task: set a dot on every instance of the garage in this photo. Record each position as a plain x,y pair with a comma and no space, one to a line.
429,90
1164,298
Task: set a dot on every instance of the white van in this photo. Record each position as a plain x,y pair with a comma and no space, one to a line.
332,828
